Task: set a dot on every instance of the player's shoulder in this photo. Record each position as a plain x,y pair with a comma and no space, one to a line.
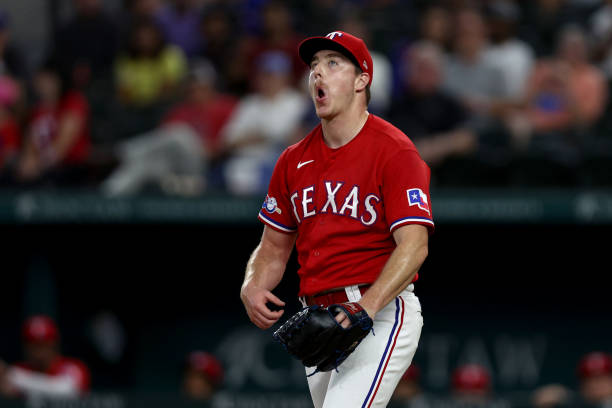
388,137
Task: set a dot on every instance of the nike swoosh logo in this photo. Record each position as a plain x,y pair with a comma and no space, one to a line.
300,164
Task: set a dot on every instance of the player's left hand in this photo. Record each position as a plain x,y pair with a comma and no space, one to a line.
344,321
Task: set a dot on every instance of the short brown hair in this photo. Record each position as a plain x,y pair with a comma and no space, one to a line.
367,89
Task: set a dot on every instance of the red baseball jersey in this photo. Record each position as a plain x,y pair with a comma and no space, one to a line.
65,366
345,203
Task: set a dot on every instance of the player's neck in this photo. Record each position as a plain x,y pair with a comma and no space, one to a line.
342,128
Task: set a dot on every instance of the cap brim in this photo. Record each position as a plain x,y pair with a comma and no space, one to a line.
310,46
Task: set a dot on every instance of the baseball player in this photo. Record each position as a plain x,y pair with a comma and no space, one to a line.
353,196
45,372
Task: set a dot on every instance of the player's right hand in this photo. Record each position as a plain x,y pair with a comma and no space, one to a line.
255,299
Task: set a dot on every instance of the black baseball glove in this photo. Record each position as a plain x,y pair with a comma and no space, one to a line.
313,336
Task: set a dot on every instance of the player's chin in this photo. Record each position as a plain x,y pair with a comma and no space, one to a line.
323,112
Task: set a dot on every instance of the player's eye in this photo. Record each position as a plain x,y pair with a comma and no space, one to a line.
313,65
332,63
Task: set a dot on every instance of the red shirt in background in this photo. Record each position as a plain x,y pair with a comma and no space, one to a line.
9,139
44,123
207,119
65,366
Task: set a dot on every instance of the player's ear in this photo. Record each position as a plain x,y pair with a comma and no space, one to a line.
361,81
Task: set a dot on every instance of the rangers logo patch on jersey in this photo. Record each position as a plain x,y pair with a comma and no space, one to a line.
417,197
270,205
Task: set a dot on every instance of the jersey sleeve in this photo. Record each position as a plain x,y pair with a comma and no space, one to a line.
276,210
405,189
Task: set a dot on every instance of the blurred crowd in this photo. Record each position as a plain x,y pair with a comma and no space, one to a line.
472,387
45,372
192,96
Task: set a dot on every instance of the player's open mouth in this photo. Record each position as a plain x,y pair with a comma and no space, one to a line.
320,94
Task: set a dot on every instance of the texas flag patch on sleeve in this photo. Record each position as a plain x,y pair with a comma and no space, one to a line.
417,197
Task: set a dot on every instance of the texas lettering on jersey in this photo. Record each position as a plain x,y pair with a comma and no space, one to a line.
338,201
346,203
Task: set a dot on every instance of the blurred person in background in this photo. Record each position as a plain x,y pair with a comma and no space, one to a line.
435,120
277,34
56,142
175,155
318,16
408,392
11,60
180,23
469,75
262,125
381,88
601,35
595,375
134,11
542,23
86,45
45,372
565,96
224,47
149,71
202,376
471,386
389,21
508,54
10,132
435,26
551,396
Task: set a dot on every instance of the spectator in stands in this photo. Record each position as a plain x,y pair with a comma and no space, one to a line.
470,76
44,372
565,95
10,133
278,34
11,61
435,26
262,125
175,156
380,90
202,375
436,121
389,21
511,56
150,70
137,10
57,142
471,385
601,34
551,396
595,374
180,23
543,20
318,16
222,45
86,45
408,392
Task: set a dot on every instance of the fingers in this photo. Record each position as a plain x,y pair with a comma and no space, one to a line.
272,298
259,313
262,321
343,320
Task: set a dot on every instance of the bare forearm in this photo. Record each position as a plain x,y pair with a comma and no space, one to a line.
398,273
264,271
265,268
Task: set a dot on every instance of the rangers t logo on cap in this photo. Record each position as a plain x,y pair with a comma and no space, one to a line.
352,47
333,34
